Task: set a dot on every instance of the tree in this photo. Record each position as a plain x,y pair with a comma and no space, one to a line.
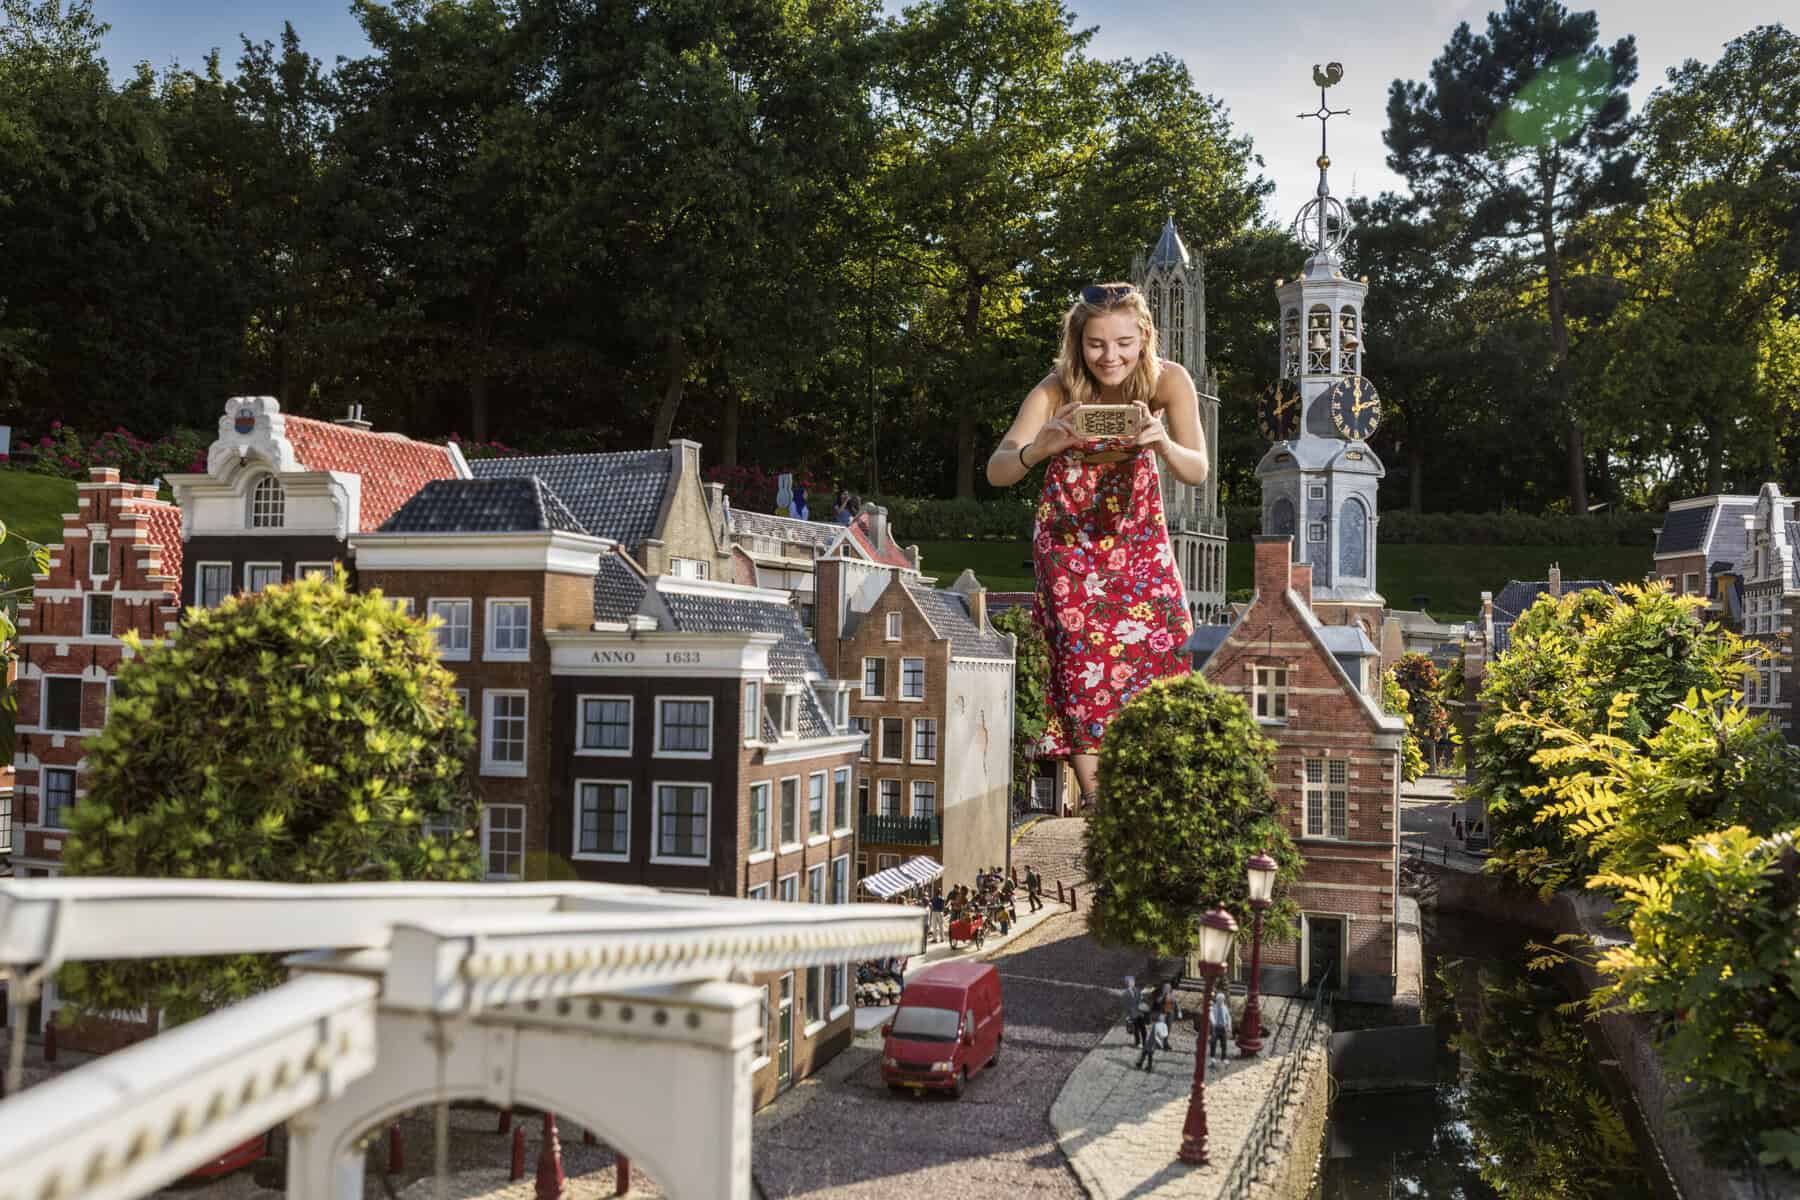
1417,676
1524,130
1395,702
1031,702
1185,802
303,734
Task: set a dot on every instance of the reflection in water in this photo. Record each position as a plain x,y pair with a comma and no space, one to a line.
1522,1112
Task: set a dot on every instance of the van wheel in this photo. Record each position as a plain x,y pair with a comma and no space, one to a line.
961,1082
895,1087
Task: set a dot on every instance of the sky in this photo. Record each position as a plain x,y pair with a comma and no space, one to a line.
1255,58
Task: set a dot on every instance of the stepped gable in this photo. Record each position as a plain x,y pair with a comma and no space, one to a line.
164,522
618,588
700,608
617,495
521,505
888,553
822,535
392,468
948,614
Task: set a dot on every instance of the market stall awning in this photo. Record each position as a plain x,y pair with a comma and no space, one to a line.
909,874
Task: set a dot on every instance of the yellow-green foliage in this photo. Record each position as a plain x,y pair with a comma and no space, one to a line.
1715,952
1184,802
305,734
1397,703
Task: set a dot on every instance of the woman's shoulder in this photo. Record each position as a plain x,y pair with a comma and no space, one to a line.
1051,386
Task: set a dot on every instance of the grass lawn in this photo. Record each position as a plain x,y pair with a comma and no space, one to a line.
32,506
1451,578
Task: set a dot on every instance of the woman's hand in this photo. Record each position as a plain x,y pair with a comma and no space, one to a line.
1151,431
1055,435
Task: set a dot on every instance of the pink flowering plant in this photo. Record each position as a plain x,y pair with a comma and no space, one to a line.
64,452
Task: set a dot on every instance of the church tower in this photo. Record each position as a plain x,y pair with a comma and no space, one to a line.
1319,478
1174,283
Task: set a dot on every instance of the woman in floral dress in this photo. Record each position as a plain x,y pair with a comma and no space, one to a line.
1110,599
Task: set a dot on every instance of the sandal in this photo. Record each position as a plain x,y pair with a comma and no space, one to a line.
1090,801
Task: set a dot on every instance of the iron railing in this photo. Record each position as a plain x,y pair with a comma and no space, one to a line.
1301,1035
903,831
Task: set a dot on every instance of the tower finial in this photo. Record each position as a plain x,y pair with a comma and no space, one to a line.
1324,222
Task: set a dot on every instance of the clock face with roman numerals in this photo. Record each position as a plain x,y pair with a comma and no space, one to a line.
1278,412
1354,407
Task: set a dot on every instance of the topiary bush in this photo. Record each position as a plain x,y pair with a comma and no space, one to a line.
1185,801
304,734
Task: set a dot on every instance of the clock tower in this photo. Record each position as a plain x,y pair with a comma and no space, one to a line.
1319,476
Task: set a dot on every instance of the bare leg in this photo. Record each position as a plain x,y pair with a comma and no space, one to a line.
1087,774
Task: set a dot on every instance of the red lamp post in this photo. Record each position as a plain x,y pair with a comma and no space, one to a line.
1262,870
1217,929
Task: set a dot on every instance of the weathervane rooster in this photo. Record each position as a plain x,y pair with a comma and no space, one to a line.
1328,74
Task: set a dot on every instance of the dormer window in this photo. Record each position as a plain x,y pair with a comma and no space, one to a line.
790,714
1270,694
268,504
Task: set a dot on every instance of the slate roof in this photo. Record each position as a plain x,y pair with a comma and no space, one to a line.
1169,249
792,659
1518,595
1347,639
1206,639
948,614
617,495
392,468
165,531
822,535
618,588
1730,540
1684,530
483,506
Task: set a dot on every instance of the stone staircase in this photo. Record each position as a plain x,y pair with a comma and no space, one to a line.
1053,846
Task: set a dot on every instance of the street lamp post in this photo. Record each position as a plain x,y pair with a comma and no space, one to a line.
1217,929
1262,870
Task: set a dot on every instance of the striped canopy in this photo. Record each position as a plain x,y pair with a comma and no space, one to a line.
910,874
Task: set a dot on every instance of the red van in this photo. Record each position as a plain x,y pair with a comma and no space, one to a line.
948,1027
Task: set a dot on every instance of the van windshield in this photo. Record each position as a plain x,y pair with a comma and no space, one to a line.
926,1024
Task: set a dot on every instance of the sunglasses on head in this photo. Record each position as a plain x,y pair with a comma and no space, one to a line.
1106,293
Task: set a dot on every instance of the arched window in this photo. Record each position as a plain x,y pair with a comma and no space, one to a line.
1281,517
1349,342
268,503
1353,539
1156,304
1177,349
1290,342
1318,340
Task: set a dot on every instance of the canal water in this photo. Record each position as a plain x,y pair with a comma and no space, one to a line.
1528,1106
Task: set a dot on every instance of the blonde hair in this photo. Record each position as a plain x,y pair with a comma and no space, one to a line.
1078,383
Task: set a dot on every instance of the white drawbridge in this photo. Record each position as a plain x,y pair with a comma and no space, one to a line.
621,1007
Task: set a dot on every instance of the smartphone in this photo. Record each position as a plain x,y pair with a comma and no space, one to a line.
1106,420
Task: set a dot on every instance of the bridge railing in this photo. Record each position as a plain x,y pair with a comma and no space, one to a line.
1301,1035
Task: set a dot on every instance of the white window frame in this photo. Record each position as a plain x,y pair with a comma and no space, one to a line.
757,891
893,627
301,569
840,711
1315,531
95,547
781,833
840,879
250,567
656,744
907,695
881,732
586,751
90,602
866,727
579,805
490,652
917,786
265,507
821,827
881,797
932,722
790,713
840,788
683,860
1270,684
761,845
818,879
864,795
752,709
487,830
463,695
43,805
866,693
1337,798
450,653
489,764
1312,793
787,888
44,725
689,568
200,569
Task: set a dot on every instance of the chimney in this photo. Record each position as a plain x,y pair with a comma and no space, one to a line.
912,556
970,589
1556,581
1300,579
719,514
1274,560
353,419
1487,617
877,524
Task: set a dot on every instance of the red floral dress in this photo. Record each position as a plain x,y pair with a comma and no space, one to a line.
1109,596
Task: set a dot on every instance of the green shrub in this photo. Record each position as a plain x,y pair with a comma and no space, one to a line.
1403,527
1031,700
1002,518
1715,954
1184,802
1395,702
304,734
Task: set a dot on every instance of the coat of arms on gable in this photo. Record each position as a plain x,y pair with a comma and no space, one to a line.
245,420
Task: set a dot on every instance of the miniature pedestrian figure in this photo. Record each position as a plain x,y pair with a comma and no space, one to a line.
1156,1033
800,511
841,512
1165,1009
937,915
1131,1010
1221,1027
1034,888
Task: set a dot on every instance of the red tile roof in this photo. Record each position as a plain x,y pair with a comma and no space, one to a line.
392,469
889,553
165,531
